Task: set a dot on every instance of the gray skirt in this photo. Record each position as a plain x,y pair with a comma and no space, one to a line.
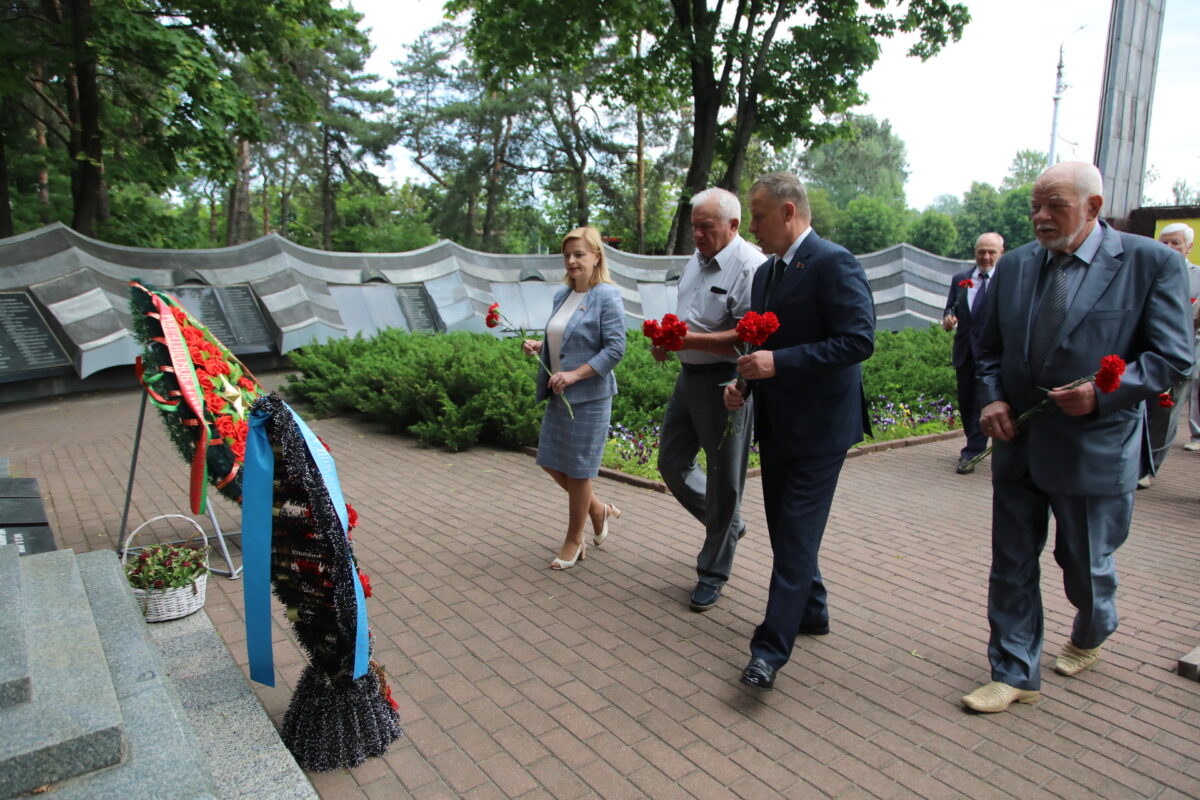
574,446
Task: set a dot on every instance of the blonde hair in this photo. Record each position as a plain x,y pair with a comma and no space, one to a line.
591,239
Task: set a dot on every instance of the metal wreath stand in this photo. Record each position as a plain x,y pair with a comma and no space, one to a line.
231,572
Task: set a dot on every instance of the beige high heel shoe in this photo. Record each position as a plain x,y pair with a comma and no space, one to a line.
558,563
609,511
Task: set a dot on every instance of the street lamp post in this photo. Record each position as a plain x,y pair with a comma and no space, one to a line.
1060,86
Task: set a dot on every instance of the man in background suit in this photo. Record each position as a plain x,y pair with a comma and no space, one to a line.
1082,291
1162,421
809,404
962,309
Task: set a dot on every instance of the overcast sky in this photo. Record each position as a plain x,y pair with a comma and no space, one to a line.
966,112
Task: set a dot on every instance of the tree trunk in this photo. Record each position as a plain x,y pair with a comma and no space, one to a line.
639,203
706,98
239,223
499,152
327,204
43,191
6,223
704,145
213,213
88,159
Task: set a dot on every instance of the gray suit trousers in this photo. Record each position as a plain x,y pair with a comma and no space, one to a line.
696,418
1089,529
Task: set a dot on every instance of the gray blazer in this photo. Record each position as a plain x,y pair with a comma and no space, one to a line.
1132,303
594,335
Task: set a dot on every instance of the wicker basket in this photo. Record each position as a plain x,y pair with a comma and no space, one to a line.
160,605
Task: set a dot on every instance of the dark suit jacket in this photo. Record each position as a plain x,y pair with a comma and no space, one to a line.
1132,302
595,334
814,405
966,334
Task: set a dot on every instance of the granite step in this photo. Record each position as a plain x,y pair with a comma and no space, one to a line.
14,654
162,760
71,724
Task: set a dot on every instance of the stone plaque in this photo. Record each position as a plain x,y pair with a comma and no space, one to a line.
231,313
244,315
28,539
26,343
418,308
201,302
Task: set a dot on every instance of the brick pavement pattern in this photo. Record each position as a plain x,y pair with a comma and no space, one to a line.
515,681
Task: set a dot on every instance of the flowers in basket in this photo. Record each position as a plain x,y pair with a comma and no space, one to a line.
161,567
1107,380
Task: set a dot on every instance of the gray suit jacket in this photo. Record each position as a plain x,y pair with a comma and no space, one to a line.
594,335
1131,303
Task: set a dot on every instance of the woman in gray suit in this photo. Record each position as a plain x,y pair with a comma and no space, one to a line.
585,340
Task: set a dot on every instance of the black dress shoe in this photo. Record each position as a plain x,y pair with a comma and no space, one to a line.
814,630
965,467
704,597
759,674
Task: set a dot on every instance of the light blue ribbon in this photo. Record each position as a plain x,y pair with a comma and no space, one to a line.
258,477
328,472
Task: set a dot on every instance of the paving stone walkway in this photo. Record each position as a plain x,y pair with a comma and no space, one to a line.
518,682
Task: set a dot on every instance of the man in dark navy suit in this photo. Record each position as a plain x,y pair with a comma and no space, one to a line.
809,407
963,307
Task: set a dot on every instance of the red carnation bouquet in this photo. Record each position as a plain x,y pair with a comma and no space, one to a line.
753,330
667,334
1107,380
495,319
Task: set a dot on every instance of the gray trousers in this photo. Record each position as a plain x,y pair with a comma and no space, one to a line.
696,418
1088,531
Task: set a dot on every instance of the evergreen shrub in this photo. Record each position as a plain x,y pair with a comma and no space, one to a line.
458,389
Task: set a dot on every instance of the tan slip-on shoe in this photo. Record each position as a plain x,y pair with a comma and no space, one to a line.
997,696
1074,660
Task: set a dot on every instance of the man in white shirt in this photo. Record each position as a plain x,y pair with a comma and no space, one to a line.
714,293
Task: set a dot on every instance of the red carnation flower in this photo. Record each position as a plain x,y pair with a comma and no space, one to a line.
1165,400
755,328
351,517
668,334
493,316
180,315
1108,377
205,381
247,384
198,356
967,283
239,449
365,580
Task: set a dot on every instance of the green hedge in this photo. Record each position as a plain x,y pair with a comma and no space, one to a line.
454,390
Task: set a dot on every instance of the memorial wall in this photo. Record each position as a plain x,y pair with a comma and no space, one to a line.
65,320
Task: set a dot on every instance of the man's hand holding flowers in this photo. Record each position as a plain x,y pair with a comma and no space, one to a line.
666,336
1074,399
753,329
